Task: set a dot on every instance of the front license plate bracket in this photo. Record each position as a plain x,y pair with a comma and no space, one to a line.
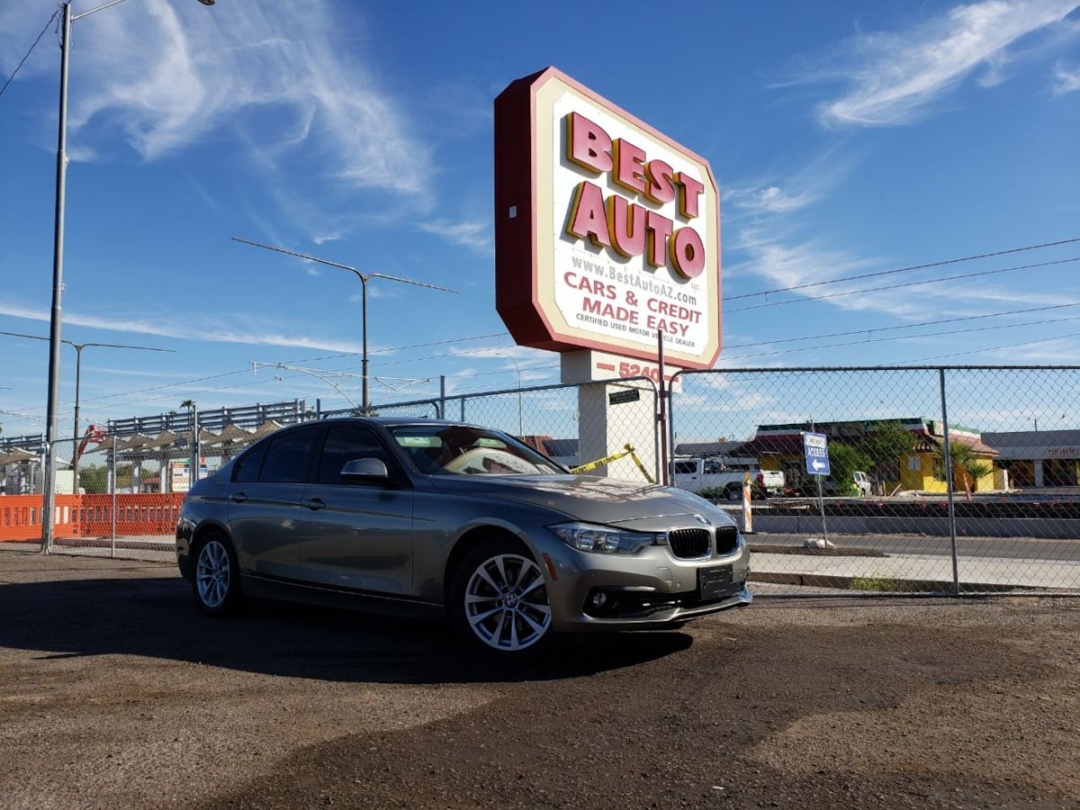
715,582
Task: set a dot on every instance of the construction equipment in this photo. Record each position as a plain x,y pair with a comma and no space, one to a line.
93,435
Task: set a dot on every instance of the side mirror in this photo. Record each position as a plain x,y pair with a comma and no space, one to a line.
364,468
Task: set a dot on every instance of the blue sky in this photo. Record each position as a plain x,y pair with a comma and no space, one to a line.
847,138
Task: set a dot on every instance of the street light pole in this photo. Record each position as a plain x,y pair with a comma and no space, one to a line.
364,357
48,511
78,380
78,377
55,318
364,278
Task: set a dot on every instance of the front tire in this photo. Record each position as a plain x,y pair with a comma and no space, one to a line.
216,583
499,602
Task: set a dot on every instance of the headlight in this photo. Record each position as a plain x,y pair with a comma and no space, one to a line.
604,539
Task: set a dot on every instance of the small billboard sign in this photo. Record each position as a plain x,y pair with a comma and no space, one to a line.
816,450
626,395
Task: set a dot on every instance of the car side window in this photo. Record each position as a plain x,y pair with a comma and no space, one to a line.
288,457
247,468
346,443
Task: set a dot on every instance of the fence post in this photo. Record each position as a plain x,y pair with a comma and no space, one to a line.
669,429
661,414
112,487
949,484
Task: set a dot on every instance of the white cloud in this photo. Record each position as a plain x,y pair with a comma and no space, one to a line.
791,264
170,73
895,77
787,264
771,199
789,190
475,235
1066,80
532,365
207,331
158,77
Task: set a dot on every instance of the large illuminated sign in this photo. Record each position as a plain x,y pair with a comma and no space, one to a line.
607,232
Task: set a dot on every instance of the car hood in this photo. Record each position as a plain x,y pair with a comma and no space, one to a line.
591,499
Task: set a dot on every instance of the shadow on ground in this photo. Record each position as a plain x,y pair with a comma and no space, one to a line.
155,616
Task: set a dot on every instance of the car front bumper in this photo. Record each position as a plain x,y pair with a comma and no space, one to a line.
646,591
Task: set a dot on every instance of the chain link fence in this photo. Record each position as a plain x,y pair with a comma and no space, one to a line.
100,505
940,480
609,426
958,480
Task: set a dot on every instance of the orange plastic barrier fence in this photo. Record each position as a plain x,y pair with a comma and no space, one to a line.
20,517
90,515
135,514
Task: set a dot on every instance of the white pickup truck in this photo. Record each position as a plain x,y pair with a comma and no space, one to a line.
716,475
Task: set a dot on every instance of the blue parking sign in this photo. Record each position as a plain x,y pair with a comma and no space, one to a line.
816,449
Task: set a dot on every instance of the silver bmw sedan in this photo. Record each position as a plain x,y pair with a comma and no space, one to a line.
455,522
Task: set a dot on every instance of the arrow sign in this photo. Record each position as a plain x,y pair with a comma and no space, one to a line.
816,450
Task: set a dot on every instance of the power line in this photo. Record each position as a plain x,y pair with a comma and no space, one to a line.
908,337
11,78
165,390
398,348
188,383
909,326
905,269
992,348
901,286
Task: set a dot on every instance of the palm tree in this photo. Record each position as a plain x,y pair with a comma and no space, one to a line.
967,466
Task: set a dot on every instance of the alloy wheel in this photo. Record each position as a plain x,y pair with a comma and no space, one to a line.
213,575
506,603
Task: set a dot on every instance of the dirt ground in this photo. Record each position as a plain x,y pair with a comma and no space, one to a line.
115,692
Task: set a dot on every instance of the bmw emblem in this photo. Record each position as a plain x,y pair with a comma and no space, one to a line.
702,519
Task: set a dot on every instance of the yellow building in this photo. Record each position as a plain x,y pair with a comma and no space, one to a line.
920,470
923,470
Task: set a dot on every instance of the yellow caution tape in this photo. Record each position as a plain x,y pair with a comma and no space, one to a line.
628,450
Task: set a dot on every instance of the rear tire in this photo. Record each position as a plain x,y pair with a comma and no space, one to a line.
499,602
216,583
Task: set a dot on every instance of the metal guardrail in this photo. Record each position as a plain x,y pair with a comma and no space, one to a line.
246,416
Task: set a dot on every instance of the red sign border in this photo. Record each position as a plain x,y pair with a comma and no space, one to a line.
517,297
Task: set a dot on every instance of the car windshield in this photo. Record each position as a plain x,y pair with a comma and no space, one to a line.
439,449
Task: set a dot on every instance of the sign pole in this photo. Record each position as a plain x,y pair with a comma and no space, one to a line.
816,450
821,507
661,417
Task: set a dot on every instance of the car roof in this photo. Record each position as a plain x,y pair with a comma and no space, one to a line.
397,420
386,421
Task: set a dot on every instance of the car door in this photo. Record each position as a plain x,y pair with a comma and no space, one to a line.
264,502
357,534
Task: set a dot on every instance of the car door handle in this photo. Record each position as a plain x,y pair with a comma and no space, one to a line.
315,504
238,497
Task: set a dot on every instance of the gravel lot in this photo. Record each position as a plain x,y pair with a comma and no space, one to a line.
116,693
